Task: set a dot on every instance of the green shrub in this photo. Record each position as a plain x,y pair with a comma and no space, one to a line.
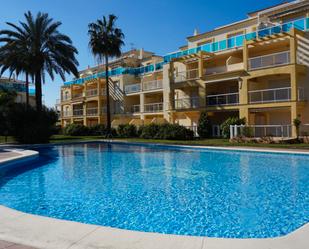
225,126
174,132
149,131
98,130
165,131
29,126
76,130
127,131
204,126
248,131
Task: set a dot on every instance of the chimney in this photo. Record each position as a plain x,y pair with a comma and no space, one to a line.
195,33
141,53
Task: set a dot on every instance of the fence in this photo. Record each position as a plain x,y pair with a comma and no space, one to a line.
283,131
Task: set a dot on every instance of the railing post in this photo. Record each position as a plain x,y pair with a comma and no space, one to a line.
231,132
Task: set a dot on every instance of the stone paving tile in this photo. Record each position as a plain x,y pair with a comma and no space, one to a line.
6,154
10,245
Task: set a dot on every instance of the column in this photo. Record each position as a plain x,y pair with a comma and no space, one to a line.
243,91
141,105
200,64
245,55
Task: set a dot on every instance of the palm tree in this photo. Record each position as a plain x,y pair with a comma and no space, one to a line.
106,41
14,57
37,42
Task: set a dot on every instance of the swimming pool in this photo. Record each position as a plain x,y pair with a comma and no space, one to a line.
172,190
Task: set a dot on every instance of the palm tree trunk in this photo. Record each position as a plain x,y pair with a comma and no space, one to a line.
38,91
27,89
108,111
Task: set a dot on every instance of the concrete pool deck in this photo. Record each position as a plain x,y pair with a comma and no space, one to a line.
34,231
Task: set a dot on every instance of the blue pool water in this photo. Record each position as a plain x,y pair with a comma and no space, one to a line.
164,189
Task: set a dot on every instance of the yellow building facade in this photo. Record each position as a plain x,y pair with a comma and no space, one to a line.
256,69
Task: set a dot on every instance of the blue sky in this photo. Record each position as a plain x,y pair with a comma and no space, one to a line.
160,26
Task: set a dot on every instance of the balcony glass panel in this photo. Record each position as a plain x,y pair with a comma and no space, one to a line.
187,103
133,88
223,99
78,112
270,95
92,111
155,107
136,108
271,60
152,85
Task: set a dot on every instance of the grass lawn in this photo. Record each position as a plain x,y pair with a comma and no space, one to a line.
204,142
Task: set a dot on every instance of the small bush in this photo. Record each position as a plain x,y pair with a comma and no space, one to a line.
165,131
127,131
29,126
204,126
98,130
149,131
76,130
225,126
248,131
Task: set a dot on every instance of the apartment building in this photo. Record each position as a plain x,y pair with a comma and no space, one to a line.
19,87
256,68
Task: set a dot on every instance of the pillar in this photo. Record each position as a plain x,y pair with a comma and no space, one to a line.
142,105
294,114
200,64
243,91
244,113
245,55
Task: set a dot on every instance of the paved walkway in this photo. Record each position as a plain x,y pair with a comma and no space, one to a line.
10,245
7,154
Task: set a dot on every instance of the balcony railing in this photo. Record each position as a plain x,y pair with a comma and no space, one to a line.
215,70
152,85
301,94
261,131
66,114
270,95
191,74
78,112
92,92
133,88
92,111
136,109
187,103
271,60
223,99
77,95
66,98
153,107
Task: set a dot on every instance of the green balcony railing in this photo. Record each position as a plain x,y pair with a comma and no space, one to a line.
218,46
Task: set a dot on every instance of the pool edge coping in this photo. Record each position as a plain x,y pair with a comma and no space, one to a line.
45,232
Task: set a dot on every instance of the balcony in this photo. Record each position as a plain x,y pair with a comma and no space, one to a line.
223,99
182,76
153,107
65,98
274,95
77,95
187,103
152,85
78,112
66,114
136,109
93,111
92,92
133,88
267,61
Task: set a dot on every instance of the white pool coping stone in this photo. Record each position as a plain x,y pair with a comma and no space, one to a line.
19,155
44,232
